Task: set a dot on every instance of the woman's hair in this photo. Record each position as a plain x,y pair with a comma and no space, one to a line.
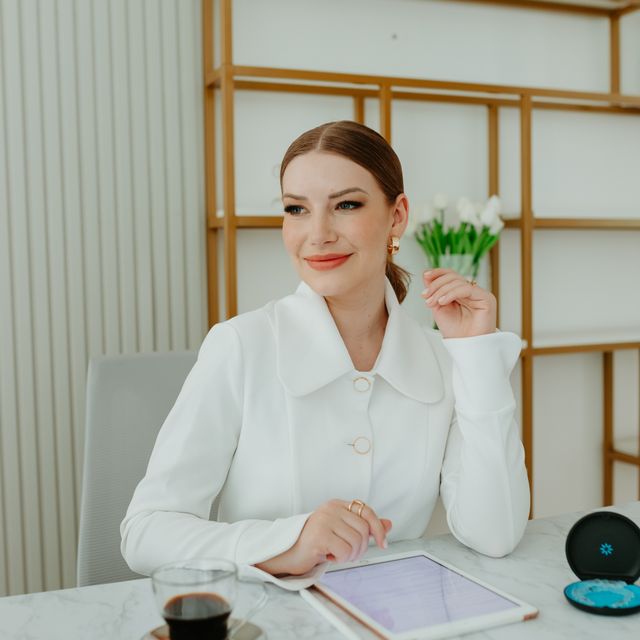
370,150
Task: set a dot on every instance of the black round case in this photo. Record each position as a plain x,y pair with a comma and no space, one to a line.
603,550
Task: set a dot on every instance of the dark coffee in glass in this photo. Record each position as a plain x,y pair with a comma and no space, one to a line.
196,598
197,616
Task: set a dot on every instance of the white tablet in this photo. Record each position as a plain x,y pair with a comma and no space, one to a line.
414,595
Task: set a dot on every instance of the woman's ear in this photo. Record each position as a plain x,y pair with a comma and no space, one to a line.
400,215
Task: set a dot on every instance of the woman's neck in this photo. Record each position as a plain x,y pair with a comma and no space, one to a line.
361,321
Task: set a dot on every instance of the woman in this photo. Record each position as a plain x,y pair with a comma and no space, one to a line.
327,417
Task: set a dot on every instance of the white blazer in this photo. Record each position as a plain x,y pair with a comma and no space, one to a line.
274,420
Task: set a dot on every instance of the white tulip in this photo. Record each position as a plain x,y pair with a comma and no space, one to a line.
496,227
440,201
462,203
490,212
475,219
466,210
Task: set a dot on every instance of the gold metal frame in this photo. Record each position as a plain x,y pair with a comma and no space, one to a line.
228,78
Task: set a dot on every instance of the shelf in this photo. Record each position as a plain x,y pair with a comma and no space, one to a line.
355,80
550,343
243,221
252,220
592,7
603,224
626,450
587,223
276,85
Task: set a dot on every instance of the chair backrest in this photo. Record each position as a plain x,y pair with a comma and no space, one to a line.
128,398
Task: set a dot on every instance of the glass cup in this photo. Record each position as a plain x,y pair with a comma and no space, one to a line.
196,598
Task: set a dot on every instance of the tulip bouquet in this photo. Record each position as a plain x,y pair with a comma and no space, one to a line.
459,246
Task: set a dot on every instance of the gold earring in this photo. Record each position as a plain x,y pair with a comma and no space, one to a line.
393,246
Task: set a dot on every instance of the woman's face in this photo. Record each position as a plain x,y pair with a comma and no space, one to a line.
337,223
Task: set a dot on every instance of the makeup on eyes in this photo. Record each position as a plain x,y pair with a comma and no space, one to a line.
355,204
351,202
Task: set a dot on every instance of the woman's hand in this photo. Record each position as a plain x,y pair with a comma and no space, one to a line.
330,533
460,309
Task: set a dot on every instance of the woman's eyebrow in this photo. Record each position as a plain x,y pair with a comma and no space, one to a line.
331,195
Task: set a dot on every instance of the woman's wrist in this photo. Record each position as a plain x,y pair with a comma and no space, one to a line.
275,566
289,563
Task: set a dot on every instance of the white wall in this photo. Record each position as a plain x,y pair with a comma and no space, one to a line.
101,210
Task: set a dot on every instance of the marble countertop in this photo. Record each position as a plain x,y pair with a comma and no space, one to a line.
536,572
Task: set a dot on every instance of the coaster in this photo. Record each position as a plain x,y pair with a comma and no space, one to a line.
248,631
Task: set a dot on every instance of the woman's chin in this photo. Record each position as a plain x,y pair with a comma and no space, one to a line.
337,285
325,289
347,279
327,284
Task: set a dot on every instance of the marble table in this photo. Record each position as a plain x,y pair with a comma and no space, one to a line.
536,572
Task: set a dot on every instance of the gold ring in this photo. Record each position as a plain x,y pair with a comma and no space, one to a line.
473,283
360,504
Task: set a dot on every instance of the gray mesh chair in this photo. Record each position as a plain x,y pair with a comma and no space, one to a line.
128,398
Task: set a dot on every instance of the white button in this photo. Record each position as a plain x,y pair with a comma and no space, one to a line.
361,445
361,384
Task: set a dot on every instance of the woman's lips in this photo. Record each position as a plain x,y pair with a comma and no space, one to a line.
328,261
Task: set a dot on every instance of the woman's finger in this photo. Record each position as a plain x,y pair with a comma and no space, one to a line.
433,287
350,535
375,526
436,276
450,291
467,292
338,548
360,525
441,291
431,274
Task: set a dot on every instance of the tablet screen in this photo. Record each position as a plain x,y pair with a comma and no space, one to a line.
413,593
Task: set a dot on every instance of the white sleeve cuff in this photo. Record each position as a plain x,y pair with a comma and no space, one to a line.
482,366
291,583
264,539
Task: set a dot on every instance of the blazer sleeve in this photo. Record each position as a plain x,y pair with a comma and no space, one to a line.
168,517
484,483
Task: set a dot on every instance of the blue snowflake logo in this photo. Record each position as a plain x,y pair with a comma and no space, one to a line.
606,549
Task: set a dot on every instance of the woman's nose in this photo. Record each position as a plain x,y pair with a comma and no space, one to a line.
322,230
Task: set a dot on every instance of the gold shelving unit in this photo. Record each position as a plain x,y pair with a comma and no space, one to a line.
228,78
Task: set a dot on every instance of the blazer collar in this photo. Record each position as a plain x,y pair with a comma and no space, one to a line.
308,360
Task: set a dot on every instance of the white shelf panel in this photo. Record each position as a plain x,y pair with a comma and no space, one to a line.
586,337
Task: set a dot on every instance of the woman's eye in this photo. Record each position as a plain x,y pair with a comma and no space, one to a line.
293,209
350,205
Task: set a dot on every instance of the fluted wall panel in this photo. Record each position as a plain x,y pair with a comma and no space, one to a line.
101,238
